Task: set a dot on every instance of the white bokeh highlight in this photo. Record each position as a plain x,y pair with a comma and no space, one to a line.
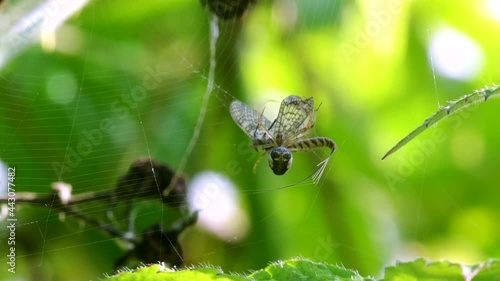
216,199
492,9
455,55
3,177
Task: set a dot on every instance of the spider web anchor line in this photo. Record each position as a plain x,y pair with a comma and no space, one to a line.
214,35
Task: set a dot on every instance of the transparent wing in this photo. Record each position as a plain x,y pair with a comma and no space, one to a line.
248,119
295,117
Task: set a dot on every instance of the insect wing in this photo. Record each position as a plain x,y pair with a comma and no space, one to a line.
248,119
294,116
304,128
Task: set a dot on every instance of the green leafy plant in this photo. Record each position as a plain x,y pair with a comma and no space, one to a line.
303,269
452,107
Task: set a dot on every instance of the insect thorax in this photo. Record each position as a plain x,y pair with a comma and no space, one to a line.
279,139
263,142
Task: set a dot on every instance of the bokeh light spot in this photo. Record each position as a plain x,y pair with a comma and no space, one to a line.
62,87
455,55
216,198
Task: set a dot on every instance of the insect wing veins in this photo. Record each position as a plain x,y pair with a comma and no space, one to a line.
249,120
295,118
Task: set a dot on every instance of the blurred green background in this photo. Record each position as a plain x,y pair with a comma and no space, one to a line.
378,69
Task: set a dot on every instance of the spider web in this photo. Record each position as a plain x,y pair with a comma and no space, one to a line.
93,109
56,127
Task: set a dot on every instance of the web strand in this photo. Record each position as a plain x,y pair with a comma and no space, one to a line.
214,35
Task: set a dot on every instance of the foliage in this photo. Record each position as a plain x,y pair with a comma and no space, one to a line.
300,269
451,108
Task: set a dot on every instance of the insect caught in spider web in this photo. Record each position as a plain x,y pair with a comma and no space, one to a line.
286,134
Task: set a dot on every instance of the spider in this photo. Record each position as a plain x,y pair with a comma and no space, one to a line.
286,134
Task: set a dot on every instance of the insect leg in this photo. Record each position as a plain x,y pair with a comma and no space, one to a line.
258,161
260,125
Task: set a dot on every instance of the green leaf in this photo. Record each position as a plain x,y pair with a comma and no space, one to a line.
290,270
300,269
447,110
488,271
158,272
423,270
303,269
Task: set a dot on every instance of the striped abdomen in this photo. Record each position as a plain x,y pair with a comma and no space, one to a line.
312,143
